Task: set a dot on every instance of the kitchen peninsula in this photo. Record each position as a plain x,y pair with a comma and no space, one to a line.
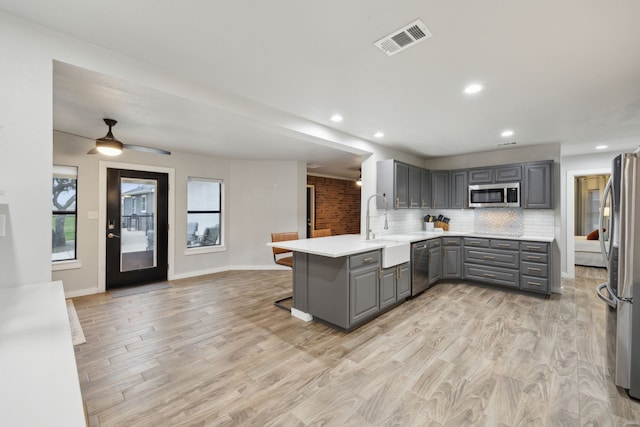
346,280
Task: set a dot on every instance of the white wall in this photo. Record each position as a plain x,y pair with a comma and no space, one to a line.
267,197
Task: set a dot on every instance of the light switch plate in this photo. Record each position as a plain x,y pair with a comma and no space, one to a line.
92,215
3,225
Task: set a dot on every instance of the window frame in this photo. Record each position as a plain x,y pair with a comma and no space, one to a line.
65,170
220,212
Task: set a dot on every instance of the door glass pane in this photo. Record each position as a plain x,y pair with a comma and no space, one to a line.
138,224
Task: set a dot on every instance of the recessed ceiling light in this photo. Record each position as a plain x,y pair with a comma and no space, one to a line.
473,88
378,134
601,147
506,133
336,118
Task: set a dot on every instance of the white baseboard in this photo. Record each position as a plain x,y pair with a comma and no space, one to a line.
301,315
199,273
259,267
80,292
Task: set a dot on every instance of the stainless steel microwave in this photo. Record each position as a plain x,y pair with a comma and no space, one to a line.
506,195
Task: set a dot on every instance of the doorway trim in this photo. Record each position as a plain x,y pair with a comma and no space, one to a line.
571,213
311,207
102,214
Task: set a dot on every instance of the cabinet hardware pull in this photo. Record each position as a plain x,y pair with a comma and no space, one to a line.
379,273
489,275
533,248
533,257
534,284
489,257
533,269
504,245
452,242
397,202
368,259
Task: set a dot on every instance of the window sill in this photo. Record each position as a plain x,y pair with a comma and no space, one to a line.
204,250
71,264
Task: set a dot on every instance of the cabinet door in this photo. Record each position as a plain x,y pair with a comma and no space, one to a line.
388,287
414,187
435,265
364,293
480,176
425,188
538,186
508,173
403,286
452,262
458,183
401,186
440,189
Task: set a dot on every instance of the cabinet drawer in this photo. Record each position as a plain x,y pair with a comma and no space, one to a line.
536,284
479,243
433,243
533,269
511,173
508,259
533,247
492,275
367,258
505,244
534,257
481,176
451,241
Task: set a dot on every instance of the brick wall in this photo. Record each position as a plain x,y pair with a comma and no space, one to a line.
337,205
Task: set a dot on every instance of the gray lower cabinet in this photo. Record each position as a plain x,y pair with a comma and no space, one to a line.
395,285
493,261
451,257
364,295
535,267
435,261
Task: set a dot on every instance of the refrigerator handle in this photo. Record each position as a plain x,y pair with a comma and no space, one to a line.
607,191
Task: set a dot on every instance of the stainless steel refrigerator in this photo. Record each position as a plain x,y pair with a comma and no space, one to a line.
622,196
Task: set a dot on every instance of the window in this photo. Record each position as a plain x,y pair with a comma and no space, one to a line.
204,201
143,204
64,209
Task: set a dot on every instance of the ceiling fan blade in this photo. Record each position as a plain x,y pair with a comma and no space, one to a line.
147,149
93,151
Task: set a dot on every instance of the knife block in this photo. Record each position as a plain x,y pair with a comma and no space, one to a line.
443,225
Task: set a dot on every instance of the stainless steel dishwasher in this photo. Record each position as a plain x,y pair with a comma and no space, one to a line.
419,267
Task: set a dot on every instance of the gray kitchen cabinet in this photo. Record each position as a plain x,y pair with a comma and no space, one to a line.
364,294
494,261
480,176
403,285
440,189
435,261
414,190
535,266
451,257
400,183
395,285
538,185
458,198
508,173
425,188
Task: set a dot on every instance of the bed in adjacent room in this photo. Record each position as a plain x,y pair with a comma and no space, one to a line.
587,252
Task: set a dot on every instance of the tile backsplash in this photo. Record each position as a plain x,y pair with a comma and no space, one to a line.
527,222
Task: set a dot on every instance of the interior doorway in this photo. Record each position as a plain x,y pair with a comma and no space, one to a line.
311,209
136,244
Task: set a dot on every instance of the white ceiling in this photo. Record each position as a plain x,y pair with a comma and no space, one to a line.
563,72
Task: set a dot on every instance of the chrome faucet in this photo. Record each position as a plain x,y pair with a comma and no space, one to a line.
386,209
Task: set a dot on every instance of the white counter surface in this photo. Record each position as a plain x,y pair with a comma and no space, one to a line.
40,384
350,244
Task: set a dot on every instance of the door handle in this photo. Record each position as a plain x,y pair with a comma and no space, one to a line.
112,235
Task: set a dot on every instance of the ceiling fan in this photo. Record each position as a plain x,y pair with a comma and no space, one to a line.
110,146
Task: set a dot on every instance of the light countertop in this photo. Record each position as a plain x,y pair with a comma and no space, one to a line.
351,244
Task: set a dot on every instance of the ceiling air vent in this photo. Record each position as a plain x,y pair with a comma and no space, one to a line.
404,38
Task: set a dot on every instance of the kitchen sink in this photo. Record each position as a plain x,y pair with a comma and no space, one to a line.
393,252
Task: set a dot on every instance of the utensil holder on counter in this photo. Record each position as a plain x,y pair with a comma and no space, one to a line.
443,225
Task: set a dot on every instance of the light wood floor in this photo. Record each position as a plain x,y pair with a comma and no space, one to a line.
215,351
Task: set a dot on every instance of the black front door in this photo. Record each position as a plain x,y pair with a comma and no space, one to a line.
137,227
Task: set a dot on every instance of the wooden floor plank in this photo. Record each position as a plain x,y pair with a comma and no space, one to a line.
214,351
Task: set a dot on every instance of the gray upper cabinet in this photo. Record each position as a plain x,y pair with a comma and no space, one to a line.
538,185
440,189
425,188
458,183
480,176
508,173
401,184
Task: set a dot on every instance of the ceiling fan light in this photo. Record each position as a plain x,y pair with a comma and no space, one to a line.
109,148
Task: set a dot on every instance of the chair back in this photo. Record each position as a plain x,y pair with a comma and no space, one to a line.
210,235
323,232
278,252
